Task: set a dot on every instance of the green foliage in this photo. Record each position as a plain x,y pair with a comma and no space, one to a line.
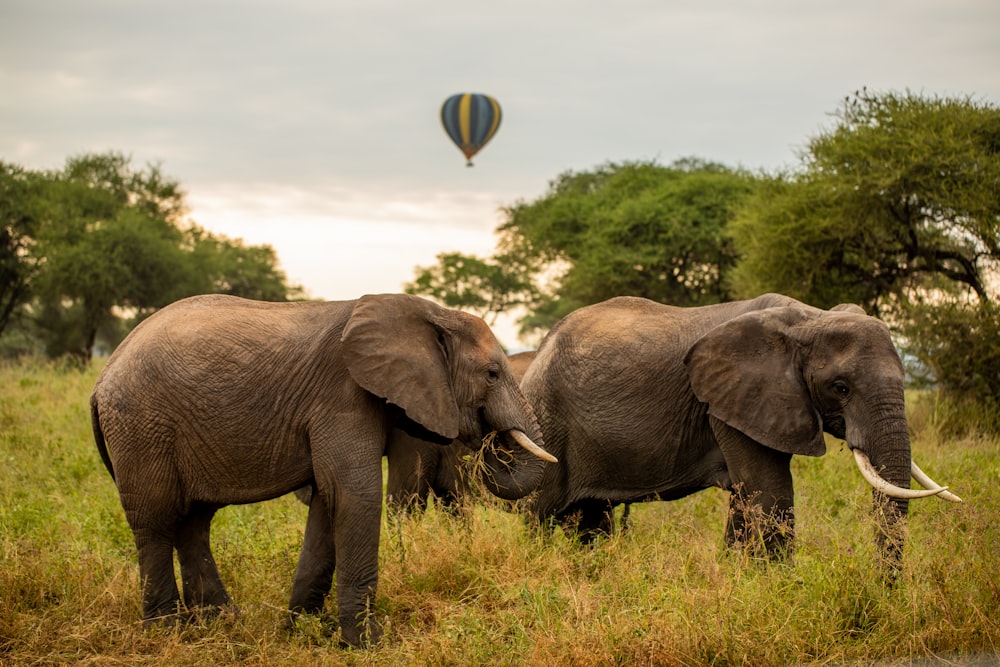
81,246
486,287
899,198
479,587
958,347
17,230
636,229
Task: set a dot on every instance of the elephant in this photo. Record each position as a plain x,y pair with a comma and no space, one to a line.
417,468
643,401
216,400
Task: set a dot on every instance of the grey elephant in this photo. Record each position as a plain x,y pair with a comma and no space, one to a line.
417,468
644,401
216,400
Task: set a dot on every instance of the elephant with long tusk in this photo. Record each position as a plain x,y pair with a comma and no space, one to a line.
643,401
931,488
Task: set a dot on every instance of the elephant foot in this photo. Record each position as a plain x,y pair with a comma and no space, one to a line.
317,624
165,613
360,634
589,520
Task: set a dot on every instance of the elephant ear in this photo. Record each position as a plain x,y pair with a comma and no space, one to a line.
394,347
747,371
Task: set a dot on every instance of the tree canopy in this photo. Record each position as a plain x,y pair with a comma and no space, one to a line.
636,228
97,240
900,198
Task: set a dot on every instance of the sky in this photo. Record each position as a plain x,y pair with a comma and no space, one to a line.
312,125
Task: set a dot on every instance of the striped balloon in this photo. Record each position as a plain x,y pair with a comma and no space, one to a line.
470,119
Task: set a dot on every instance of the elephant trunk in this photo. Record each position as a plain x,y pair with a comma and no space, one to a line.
513,456
887,448
508,470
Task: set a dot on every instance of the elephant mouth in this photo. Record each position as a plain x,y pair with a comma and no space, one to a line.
513,434
522,440
931,488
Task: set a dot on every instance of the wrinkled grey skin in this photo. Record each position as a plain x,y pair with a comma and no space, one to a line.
217,400
642,401
418,468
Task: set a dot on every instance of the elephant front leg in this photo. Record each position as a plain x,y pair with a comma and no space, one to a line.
761,515
357,523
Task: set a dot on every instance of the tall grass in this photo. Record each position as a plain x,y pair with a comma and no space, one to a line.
478,587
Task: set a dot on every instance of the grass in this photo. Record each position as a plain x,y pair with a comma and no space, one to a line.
480,588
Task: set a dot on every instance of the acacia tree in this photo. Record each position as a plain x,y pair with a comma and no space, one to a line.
636,228
897,207
901,196
106,239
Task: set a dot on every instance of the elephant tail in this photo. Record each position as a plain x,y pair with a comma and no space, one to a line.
102,447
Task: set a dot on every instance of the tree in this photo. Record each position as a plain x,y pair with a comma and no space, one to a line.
898,199
635,228
17,229
486,287
98,240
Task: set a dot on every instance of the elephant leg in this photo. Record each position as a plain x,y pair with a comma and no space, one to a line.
152,517
349,483
202,584
314,574
761,515
590,519
160,597
357,520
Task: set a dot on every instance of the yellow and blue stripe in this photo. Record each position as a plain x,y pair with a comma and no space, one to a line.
471,120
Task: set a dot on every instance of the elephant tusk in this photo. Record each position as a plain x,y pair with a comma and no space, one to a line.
928,483
872,477
526,442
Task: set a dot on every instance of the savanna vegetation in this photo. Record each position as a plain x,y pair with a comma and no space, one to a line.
478,587
895,207
89,250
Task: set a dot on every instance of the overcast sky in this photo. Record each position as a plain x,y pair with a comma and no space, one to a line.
313,126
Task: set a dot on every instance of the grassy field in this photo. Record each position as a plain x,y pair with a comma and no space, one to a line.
479,588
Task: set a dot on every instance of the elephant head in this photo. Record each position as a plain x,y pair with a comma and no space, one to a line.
782,376
468,392
419,467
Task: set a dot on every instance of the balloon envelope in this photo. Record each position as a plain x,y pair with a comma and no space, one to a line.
470,119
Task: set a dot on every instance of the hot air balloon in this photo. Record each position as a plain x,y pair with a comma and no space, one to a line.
470,119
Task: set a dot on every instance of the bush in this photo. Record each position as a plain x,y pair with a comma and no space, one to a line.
958,348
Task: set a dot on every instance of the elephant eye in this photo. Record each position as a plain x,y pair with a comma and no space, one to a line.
841,388
492,375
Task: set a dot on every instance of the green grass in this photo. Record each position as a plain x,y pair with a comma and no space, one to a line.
480,588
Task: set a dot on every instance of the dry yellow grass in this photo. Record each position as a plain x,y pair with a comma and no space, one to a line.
478,587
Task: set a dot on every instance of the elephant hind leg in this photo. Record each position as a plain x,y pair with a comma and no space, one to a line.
153,523
202,584
314,574
160,598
